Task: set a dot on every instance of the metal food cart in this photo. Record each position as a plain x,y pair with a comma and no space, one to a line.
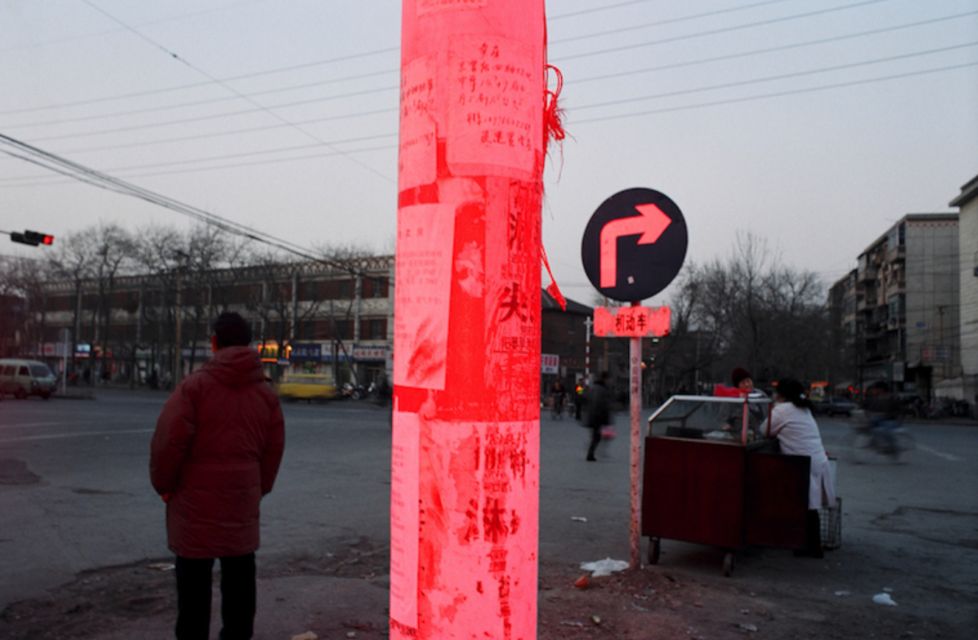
712,478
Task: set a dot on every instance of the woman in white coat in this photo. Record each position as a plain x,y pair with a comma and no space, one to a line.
792,422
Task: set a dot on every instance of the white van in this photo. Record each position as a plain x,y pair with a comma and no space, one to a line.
22,378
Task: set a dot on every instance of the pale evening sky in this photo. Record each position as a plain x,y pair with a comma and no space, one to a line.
812,124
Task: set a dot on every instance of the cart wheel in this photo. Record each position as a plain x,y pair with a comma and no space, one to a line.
655,547
728,564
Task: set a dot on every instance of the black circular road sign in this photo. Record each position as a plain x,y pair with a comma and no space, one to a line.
634,245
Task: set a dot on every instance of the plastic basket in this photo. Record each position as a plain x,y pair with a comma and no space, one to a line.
830,518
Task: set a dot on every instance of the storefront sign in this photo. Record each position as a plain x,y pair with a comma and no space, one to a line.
303,352
370,353
549,363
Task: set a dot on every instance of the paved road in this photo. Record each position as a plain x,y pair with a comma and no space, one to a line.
910,527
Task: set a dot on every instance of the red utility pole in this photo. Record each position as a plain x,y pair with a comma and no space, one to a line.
465,456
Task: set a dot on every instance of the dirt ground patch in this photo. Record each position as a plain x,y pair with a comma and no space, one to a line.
653,603
656,603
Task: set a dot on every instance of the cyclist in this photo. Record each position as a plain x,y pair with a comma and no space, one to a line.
885,418
557,396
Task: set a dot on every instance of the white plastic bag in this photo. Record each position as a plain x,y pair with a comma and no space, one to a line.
604,567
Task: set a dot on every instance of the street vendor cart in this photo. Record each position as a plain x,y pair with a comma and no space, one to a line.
711,477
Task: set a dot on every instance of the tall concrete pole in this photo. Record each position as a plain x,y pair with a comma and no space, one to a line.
465,465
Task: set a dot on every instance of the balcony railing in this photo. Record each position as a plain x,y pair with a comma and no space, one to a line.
867,304
897,287
896,254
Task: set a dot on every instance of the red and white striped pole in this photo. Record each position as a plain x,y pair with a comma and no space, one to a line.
465,459
588,323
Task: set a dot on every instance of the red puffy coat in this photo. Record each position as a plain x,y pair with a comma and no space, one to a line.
215,453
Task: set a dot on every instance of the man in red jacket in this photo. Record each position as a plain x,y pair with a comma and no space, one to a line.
215,453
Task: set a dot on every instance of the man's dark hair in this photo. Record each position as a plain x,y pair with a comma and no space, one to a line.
232,330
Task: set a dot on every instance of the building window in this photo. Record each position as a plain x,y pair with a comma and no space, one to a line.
374,329
378,288
342,329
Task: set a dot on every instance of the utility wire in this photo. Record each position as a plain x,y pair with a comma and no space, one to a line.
575,82
599,118
713,32
239,94
784,76
392,88
233,132
660,23
145,24
793,45
395,69
195,85
44,181
622,101
361,76
198,103
774,95
72,169
229,114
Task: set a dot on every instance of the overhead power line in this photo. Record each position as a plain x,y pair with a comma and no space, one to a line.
659,23
713,32
52,162
777,94
238,93
394,68
784,76
218,116
786,47
571,120
198,103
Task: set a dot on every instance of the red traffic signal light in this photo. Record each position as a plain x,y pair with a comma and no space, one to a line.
32,238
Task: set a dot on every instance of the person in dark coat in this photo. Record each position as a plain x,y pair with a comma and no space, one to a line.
215,453
598,412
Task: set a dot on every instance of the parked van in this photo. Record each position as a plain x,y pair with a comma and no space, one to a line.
22,378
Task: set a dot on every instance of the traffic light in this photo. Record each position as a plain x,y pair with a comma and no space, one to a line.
32,238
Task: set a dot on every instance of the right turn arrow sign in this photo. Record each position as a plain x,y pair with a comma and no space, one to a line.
630,257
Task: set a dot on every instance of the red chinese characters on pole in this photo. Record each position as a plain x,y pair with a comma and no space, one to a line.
631,322
465,458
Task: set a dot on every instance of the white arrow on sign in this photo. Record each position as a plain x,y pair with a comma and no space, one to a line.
651,224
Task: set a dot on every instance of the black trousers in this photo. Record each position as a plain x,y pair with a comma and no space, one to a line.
194,597
595,441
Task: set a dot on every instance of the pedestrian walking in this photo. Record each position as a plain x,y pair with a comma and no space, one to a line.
598,412
214,455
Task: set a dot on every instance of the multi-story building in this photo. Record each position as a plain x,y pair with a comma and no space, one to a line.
899,307
967,202
307,316
564,342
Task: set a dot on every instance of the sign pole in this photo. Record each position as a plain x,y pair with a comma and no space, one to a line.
65,336
587,351
633,247
635,359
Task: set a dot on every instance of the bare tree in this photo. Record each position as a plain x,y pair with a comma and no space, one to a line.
23,304
114,255
158,255
754,312
74,262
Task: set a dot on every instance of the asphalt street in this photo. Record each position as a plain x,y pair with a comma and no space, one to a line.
75,496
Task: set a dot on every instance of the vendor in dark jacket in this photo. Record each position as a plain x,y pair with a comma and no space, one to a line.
215,453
